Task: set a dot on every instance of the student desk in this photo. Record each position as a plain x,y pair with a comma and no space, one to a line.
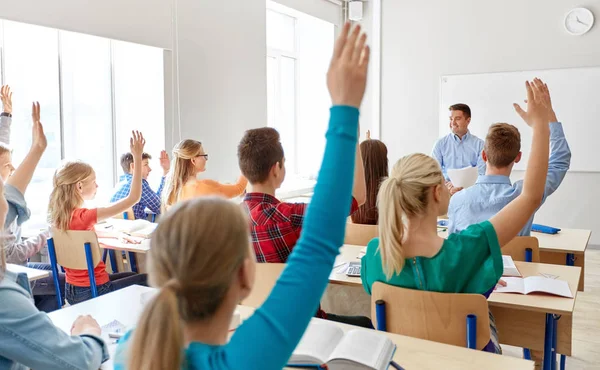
565,248
126,306
521,319
135,252
32,274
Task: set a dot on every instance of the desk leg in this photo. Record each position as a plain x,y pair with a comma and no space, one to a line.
113,261
548,340
570,259
526,354
132,262
555,318
563,362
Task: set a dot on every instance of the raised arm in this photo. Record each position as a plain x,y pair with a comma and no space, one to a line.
560,156
226,190
136,144
23,174
6,115
277,326
511,219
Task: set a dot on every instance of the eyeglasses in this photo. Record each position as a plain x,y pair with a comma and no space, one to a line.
203,155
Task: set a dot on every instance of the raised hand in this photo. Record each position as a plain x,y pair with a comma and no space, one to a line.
136,144
539,105
165,162
6,96
368,134
86,325
347,75
38,137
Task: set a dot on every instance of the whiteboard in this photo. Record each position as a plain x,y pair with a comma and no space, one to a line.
575,96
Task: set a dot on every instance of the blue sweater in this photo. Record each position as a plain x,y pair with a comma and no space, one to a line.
268,338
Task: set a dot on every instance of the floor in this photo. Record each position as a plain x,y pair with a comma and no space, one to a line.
586,320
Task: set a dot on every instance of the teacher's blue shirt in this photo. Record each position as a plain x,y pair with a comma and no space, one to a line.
453,152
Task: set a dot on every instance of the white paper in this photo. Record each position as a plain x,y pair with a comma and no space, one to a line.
317,343
510,269
535,284
464,177
513,285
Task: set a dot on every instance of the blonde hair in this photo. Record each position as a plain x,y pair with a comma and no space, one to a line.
65,198
196,251
404,194
181,170
4,149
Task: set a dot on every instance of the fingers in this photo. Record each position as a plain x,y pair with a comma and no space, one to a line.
35,112
350,45
358,51
520,111
365,56
538,88
530,96
341,41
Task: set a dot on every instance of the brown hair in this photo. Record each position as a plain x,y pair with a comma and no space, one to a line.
196,252
182,169
502,144
375,161
127,160
65,198
259,150
404,194
463,108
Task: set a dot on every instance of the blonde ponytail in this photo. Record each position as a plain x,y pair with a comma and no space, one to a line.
65,198
402,196
182,170
157,342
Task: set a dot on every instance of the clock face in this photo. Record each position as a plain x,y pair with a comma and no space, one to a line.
579,21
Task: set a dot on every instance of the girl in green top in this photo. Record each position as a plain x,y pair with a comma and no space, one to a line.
409,253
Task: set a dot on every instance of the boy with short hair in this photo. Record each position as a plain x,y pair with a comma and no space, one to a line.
150,199
494,190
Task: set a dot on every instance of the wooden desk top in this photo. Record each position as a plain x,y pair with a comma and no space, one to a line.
538,302
348,253
125,305
119,245
566,241
32,274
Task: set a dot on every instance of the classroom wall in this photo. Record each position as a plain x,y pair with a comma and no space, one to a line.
422,40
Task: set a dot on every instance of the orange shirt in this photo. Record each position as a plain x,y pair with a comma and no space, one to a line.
195,188
85,219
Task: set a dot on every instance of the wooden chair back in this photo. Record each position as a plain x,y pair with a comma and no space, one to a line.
516,248
266,277
70,250
439,317
357,234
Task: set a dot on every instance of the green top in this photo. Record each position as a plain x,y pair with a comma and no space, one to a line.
468,262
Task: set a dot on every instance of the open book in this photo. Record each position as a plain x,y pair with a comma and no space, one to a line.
139,228
325,343
535,284
509,267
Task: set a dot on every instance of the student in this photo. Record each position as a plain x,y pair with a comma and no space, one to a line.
189,159
375,160
412,255
18,250
28,337
203,265
74,183
460,148
150,199
494,191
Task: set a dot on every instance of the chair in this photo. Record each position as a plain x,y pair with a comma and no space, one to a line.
127,215
517,249
266,277
452,318
358,234
65,249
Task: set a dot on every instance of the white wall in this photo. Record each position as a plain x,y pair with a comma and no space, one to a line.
422,40
146,22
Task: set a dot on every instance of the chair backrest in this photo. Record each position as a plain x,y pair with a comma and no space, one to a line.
439,317
70,250
128,215
266,277
357,234
516,248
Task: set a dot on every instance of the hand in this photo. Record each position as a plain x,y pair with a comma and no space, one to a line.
86,325
136,144
165,162
449,185
368,134
6,96
347,75
539,105
38,140
455,190
500,283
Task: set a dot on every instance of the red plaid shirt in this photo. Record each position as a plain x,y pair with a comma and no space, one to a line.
275,226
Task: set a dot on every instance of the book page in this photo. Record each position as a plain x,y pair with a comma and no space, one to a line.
464,177
317,343
510,269
545,285
369,348
513,285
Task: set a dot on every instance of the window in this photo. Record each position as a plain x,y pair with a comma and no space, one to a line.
299,48
92,91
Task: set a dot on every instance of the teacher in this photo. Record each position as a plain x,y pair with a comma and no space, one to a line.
459,149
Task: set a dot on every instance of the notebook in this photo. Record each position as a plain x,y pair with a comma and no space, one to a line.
325,345
139,228
509,267
535,284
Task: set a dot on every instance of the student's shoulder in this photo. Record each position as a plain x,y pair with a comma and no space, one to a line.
473,234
